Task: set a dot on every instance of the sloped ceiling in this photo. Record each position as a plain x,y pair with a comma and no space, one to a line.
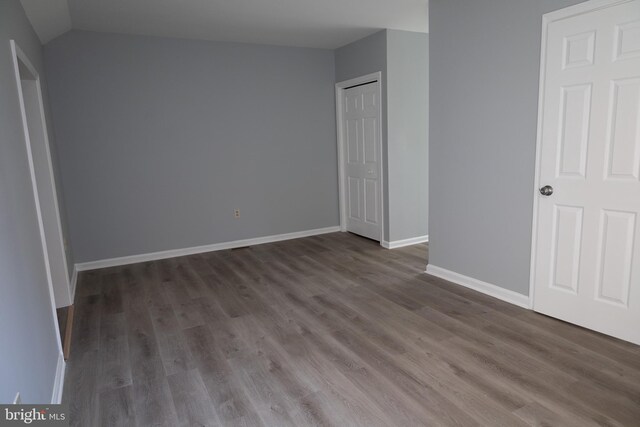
306,23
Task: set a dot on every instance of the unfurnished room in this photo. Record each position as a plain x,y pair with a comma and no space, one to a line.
337,213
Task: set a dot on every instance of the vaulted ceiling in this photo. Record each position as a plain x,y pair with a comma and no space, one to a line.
307,23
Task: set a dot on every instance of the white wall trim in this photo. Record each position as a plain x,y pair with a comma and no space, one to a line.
18,55
58,383
404,242
480,286
62,298
340,86
113,262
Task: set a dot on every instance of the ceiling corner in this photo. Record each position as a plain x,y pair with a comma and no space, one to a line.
49,19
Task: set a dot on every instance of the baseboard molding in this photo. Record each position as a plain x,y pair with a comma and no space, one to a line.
74,282
405,242
58,383
480,286
133,259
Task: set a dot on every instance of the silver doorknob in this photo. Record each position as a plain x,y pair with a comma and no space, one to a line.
547,190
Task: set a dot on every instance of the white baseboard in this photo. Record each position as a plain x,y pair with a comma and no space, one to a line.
405,242
58,383
74,282
480,286
113,262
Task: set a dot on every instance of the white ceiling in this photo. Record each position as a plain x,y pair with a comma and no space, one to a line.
308,23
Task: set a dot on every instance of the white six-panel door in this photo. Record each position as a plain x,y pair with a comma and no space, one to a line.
586,267
361,156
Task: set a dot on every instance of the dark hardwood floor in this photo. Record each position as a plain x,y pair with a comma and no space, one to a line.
330,330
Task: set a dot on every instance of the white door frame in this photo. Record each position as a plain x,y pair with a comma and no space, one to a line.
558,15
18,55
340,87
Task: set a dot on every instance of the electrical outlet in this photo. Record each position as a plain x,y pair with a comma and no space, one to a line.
17,400
236,213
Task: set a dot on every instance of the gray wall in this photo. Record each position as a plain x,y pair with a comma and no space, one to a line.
402,57
484,67
364,56
160,139
29,350
407,133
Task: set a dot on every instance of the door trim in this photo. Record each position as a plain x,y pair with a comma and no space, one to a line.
340,87
547,18
18,55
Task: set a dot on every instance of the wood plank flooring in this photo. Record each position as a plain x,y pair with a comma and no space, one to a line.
330,330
